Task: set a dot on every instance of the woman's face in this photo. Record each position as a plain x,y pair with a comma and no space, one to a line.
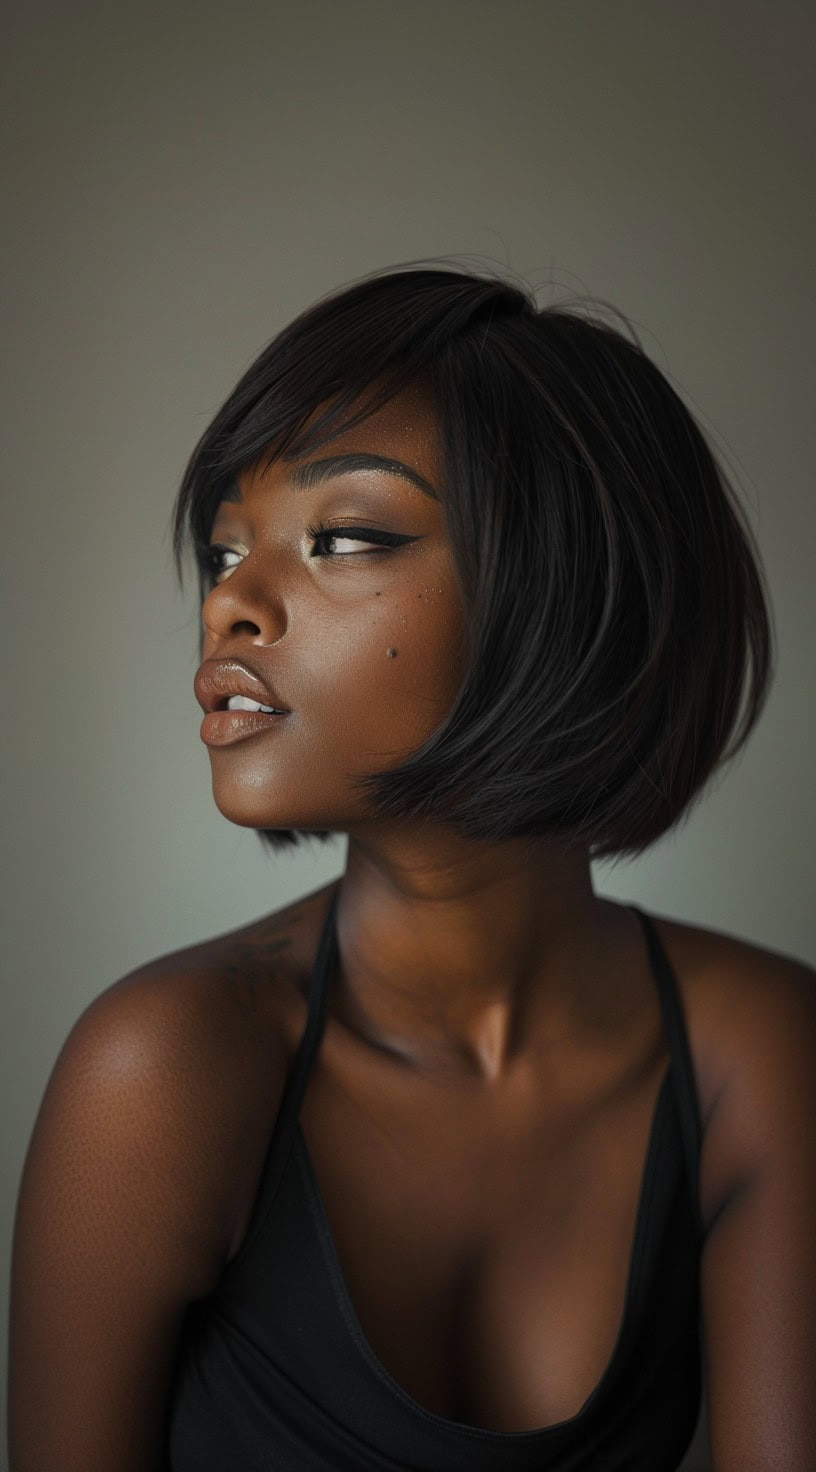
361,641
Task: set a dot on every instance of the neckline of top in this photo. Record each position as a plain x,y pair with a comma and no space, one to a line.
325,960
632,1292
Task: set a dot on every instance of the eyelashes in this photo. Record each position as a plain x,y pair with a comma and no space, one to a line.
322,534
210,558
209,561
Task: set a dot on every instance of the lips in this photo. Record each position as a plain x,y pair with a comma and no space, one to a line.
217,679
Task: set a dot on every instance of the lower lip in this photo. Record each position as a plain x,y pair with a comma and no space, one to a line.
223,727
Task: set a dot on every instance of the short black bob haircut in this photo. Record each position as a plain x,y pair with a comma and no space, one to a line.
615,601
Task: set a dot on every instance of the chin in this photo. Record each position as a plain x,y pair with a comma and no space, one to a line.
245,812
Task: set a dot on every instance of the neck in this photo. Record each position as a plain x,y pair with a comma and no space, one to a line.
455,951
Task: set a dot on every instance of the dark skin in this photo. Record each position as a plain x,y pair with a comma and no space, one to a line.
455,953
478,1114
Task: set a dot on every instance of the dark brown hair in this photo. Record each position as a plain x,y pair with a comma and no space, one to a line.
620,643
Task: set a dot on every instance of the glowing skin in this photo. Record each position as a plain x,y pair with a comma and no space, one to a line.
362,644
455,952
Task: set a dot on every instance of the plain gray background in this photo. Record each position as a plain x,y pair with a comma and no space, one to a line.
183,178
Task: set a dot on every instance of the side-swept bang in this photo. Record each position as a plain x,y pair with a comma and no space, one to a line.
368,341
615,604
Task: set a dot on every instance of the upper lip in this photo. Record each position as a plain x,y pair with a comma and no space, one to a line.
217,679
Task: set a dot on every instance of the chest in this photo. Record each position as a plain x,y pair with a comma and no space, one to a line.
487,1266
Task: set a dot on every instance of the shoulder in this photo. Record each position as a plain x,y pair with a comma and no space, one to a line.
750,1014
212,1006
146,1147
176,1071
742,1001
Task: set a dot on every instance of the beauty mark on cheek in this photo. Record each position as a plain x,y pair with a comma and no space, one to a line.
392,653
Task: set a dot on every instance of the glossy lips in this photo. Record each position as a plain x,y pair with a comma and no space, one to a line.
215,681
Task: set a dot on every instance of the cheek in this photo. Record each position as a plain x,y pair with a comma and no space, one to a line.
433,626
389,675
414,660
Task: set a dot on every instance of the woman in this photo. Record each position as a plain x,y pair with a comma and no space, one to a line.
452,1165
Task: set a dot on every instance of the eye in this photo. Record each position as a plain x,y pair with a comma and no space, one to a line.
211,560
328,541
327,538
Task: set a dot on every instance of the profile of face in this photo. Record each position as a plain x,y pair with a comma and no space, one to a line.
338,586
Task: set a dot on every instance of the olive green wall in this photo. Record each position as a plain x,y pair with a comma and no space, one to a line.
187,176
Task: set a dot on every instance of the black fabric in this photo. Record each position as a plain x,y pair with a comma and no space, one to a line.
275,1374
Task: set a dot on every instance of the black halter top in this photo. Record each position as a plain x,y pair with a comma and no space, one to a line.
274,1373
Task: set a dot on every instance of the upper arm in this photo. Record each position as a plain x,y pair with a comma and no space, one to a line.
758,1268
123,1217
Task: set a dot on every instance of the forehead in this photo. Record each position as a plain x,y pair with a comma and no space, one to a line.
405,428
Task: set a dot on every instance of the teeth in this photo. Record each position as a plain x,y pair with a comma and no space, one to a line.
241,702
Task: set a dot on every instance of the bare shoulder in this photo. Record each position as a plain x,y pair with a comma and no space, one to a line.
734,990
142,1165
236,995
189,1053
750,1013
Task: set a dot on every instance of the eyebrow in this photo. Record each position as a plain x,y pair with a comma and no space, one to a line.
310,472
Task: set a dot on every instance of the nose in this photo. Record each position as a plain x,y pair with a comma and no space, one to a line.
239,605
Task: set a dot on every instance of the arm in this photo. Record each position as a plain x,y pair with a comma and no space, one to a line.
125,1213
758,1171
